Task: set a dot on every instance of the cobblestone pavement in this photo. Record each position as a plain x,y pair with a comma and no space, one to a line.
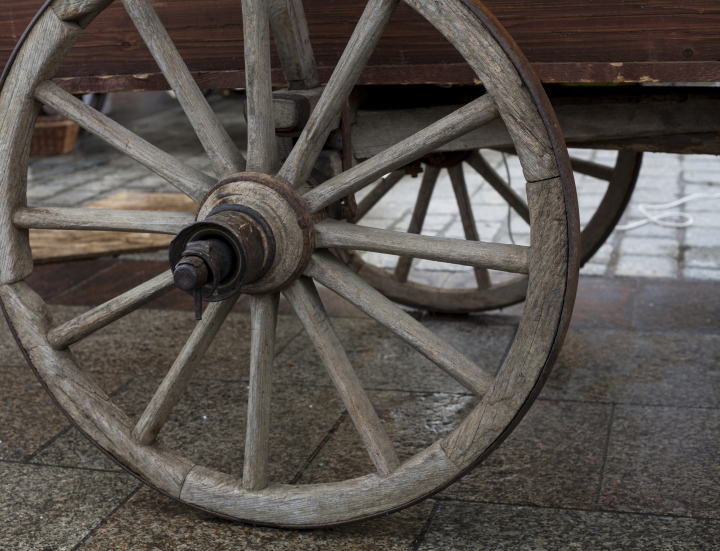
95,170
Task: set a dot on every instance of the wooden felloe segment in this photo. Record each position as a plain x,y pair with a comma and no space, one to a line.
52,39
263,314
86,324
177,379
482,254
296,169
517,203
224,155
466,216
79,396
262,145
466,119
63,218
292,39
191,182
305,300
402,268
339,278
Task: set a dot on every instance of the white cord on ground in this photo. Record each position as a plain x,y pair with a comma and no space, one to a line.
659,219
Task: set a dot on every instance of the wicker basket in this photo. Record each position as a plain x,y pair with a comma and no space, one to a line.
54,135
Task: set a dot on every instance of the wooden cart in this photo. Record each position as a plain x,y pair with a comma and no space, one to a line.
451,80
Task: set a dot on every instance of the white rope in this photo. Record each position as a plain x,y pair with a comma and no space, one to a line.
684,221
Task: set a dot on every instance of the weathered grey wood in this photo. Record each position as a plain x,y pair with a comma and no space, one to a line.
551,294
292,109
464,120
49,41
62,218
263,312
224,154
306,302
378,192
517,203
457,178
327,270
292,40
86,324
402,268
262,145
175,382
496,256
79,396
500,77
191,182
296,169
79,10
589,168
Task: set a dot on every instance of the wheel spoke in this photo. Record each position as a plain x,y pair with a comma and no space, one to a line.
264,310
457,178
86,324
304,299
224,155
61,218
495,256
589,168
377,193
466,119
292,40
191,182
402,269
516,202
339,278
296,169
262,144
177,379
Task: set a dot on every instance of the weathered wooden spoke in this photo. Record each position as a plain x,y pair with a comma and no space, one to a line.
483,168
514,259
63,218
590,168
402,268
264,311
338,277
262,144
466,119
182,370
88,323
223,153
466,217
304,299
298,166
378,192
191,182
292,40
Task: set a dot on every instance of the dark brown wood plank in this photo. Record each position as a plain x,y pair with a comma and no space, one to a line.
566,40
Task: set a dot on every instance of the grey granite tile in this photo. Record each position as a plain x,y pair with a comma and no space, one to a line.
477,526
208,424
638,368
153,521
663,461
553,459
383,361
412,422
72,449
55,508
148,341
10,354
28,417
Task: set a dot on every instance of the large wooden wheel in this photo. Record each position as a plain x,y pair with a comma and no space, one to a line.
486,295
270,225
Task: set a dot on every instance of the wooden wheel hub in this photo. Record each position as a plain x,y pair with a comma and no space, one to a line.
267,226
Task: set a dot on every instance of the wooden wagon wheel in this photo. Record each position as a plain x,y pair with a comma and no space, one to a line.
394,283
254,214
